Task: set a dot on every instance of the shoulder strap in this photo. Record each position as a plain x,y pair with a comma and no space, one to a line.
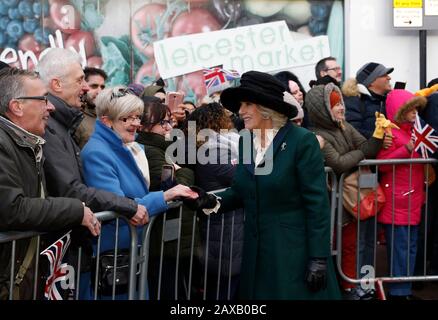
24,267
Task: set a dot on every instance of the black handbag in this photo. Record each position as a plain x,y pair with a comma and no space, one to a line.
106,273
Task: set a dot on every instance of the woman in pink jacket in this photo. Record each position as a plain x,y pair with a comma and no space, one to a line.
401,213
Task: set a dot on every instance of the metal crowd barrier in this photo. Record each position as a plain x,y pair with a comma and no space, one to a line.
106,216
13,237
139,283
332,185
199,276
145,249
368,180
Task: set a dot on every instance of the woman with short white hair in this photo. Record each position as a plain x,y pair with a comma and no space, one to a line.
113,161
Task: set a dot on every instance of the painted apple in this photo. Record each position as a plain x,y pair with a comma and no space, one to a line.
194,21
65,16
144,29
80,38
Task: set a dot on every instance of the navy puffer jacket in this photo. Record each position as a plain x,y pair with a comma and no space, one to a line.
361,106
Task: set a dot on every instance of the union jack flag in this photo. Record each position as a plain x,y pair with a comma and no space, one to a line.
58,270
218,79
426,140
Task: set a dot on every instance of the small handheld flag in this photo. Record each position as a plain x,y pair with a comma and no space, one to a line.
218,79
58,270
426,142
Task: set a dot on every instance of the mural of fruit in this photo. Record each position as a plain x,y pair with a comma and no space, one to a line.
76,38
147,73
19,18
194,21
65,16
128,56
144,30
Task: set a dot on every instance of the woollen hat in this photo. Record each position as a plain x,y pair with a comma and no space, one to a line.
260,88
370,72
136,88
335,98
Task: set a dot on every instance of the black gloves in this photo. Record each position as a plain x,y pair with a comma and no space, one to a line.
316,275
204,201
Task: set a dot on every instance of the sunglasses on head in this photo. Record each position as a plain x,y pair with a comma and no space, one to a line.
120,93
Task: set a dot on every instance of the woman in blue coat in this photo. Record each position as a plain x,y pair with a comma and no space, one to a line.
113,161
280,182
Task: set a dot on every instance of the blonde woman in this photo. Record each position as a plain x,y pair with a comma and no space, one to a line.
287,215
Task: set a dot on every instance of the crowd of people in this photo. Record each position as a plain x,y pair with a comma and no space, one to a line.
70,147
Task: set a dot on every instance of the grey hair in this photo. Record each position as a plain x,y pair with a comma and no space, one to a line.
54,64
278,119
12,84
117,102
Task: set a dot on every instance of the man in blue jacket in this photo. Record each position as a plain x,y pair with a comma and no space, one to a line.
366,94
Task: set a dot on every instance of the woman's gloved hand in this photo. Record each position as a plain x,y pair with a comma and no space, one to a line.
204,201
383,126
316,275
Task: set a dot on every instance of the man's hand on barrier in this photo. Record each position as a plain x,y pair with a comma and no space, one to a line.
90,221
141,217
316,275
204,200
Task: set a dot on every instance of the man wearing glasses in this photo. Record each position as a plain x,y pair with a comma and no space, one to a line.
24,114
328,67
95,79
61,71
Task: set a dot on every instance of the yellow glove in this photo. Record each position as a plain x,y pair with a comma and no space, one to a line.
427,91
383,126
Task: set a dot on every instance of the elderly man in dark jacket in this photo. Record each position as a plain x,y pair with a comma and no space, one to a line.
62,73
366,94
24,112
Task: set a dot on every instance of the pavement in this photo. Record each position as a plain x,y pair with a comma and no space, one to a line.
422,290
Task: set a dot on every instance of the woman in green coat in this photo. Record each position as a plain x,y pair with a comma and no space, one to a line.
280,182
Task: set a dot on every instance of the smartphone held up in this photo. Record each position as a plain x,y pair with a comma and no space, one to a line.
173,99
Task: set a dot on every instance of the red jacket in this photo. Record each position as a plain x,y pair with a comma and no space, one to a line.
404,195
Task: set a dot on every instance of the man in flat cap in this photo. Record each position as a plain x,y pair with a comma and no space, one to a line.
366,94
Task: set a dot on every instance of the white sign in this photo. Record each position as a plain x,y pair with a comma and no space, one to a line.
263,47
408,17
431,8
